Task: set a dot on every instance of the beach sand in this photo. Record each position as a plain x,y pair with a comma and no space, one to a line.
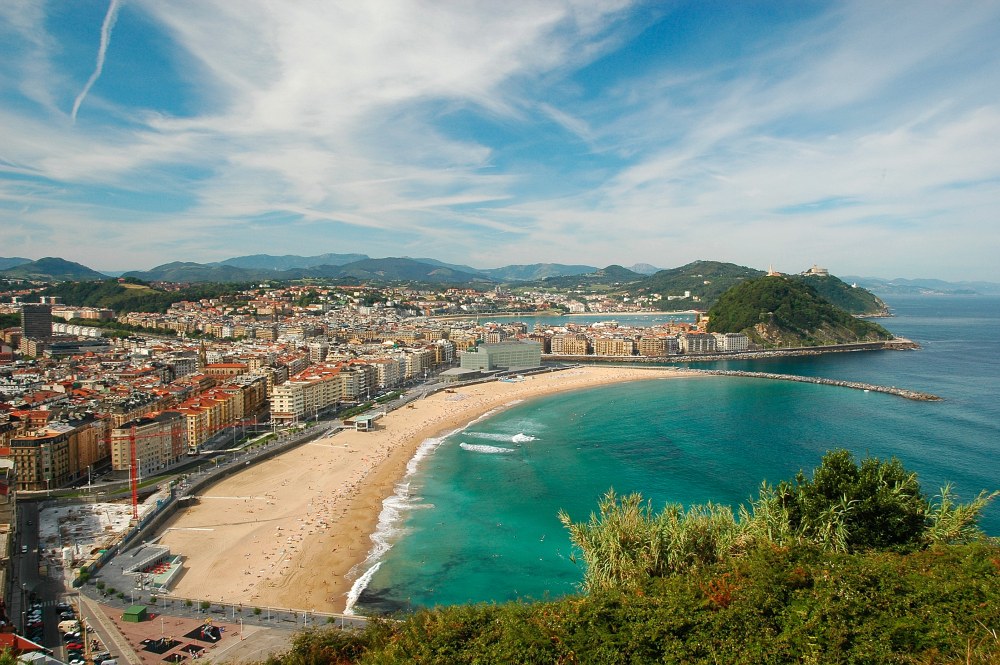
289,532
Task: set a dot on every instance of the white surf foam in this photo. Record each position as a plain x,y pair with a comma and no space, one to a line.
359,586
387,530
523,438
489,436
492,450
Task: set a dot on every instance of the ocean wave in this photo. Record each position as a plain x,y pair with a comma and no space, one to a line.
520,437
359,586
387,531
492,450
489,436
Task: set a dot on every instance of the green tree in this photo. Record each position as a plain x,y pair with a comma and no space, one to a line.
846,506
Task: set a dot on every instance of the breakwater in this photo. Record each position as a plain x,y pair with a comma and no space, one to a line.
868,387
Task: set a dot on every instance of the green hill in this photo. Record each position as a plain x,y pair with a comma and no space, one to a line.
52,269
787,311
535,272
855,300
399,270
131,296
612,275
12,261
705,280
185,272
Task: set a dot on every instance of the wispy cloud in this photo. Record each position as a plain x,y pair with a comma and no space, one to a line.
575,131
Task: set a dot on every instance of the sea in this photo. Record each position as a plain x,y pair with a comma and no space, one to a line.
476,519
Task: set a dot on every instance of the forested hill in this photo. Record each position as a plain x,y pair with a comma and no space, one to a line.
852,299
132,295
783,311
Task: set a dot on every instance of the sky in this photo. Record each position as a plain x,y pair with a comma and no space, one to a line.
863,137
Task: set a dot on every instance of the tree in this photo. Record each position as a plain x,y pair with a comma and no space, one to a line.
847,507
843,507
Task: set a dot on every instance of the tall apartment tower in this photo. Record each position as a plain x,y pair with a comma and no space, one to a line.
36,320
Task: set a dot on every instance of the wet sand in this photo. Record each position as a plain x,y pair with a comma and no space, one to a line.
290,532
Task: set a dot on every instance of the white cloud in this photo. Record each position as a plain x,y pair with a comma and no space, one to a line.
405,123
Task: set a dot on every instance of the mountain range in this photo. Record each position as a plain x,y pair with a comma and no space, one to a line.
706,279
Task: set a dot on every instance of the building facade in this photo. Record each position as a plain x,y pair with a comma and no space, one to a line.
505,355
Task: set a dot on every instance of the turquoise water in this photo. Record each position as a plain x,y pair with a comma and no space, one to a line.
478,522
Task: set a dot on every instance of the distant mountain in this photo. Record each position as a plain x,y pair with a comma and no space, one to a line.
644,268
12,261
916,287
405,270
612,275
704,280
786,311
535,272
454,266
187,272
53,269
289,261
390,270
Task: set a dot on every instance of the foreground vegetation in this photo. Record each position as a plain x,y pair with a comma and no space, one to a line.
851,565
777,605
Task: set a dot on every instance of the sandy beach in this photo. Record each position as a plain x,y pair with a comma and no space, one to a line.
288,532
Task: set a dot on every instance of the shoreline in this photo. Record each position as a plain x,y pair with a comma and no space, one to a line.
297,530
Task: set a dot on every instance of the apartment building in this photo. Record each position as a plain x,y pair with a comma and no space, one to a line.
614,346
570,344
160,441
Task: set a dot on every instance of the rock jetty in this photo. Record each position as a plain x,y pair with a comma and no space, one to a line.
868,387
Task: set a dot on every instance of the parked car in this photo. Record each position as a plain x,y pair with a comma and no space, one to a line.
75,646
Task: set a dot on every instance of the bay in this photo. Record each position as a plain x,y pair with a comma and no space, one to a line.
478,520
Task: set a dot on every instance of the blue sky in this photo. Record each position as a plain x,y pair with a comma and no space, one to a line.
860,136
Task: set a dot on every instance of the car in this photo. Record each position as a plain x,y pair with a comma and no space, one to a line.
77,661
75,635
24,549
76,646
64,607
66,616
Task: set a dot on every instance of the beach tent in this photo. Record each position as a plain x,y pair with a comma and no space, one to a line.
135,614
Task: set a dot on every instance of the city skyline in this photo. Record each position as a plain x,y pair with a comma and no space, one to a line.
857,136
